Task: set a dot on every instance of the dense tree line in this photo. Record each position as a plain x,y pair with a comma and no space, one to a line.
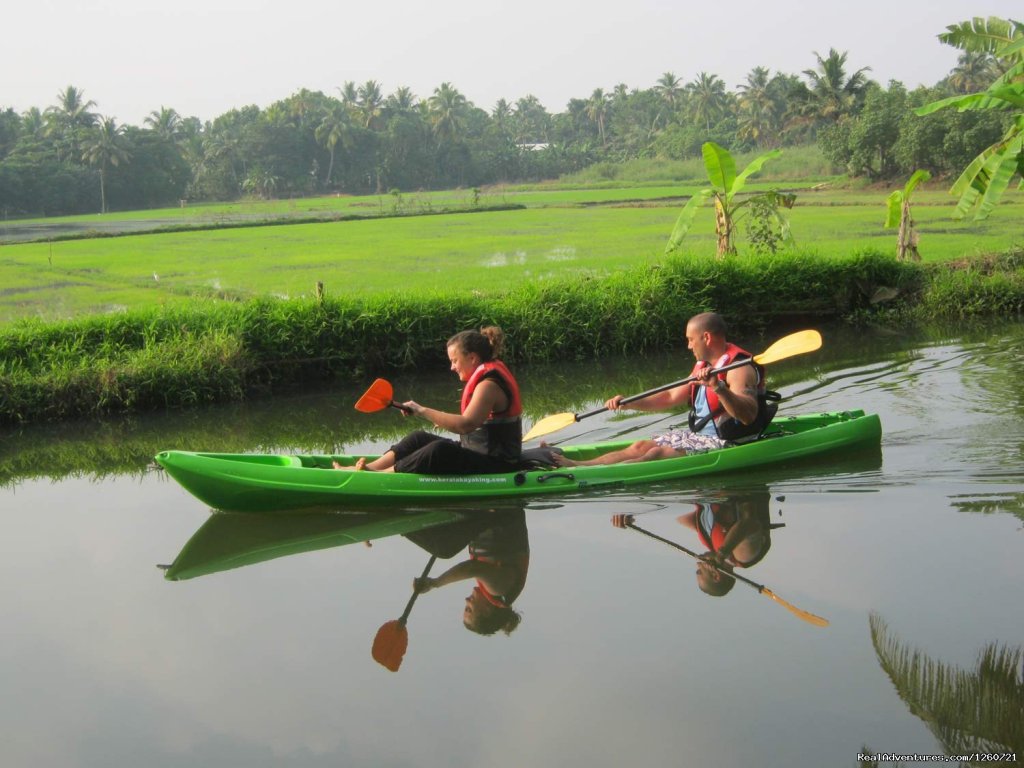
68,158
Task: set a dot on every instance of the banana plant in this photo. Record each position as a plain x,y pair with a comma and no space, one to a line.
982,183
898,215
726,185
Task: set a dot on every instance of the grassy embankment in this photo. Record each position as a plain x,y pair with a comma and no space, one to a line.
574,273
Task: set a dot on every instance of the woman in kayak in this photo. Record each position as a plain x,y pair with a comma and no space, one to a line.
488,424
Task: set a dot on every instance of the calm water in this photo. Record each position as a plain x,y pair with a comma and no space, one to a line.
619,658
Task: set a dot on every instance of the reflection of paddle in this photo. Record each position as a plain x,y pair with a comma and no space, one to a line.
378,397
810,618
795,344
393,638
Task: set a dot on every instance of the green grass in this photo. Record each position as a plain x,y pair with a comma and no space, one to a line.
561,233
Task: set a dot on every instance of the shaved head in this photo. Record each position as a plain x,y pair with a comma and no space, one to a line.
708,322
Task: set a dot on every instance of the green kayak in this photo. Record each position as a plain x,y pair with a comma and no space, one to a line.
269,483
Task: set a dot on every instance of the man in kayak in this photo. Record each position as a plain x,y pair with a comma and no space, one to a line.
723,406
489,423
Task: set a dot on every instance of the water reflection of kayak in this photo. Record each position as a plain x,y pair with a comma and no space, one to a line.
258,483
231,540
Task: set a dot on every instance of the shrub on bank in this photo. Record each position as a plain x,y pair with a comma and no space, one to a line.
220,352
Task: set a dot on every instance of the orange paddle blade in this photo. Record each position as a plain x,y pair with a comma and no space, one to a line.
390,643
376,398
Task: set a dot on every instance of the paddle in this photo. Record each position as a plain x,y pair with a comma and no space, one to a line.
393,638
378,397
794,344
810,618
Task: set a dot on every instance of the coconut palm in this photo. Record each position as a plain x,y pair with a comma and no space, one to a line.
758,110
165,122
670,89
370,101
334,129
103,149
833,95
401,102
597,111
69,119
447,112
973,72
707,98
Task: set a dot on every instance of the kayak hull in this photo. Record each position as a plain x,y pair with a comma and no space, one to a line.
272,482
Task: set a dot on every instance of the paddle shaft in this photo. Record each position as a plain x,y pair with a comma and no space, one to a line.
416,593
695,556
663,388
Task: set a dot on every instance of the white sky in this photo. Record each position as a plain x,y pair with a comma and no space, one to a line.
204,57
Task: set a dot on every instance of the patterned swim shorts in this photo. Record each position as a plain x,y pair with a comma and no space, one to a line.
686,441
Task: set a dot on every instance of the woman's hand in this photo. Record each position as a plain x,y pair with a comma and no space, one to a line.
414,408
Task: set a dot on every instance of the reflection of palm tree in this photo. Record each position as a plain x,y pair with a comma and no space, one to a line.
104,149
968,711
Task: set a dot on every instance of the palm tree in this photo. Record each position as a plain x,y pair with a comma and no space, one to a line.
333,129
670,89
708,99
973,72
69,119
401,102
448,112
164,122
103,149
833,95
597,111
759,112
370,99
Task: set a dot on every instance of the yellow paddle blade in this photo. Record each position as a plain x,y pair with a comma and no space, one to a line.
797,343
810,618
376,398
550,424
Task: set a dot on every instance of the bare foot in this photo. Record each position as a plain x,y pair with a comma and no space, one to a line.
357,467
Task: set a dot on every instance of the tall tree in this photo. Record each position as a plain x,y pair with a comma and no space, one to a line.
164,122
69,119
708,99
333,130
833,94
370,102
448,108
597,111
104,149
974,71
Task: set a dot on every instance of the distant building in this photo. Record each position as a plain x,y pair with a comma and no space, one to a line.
535,147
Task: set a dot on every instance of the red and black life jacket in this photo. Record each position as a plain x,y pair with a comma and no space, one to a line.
727,427
501,435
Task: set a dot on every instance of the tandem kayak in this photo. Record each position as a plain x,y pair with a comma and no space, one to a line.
270,483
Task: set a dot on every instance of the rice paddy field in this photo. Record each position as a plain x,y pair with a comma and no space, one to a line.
425,243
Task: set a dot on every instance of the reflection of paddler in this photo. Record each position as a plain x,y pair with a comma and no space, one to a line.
499,559
736,532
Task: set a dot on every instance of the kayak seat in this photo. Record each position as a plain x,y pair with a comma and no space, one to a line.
771,409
